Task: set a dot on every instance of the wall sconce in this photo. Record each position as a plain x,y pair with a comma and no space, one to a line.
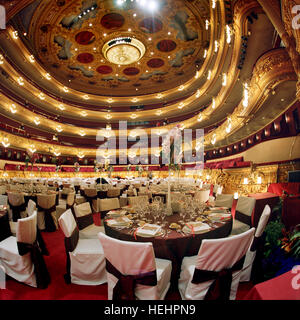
245,180
5,143
13,108
59,129
236,195
37,120
32,149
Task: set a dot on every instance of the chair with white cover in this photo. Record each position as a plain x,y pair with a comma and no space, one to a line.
105,205
3,189
3,200
85,221
113,193
31,207
214,274
91,196
224,200
251,254
142,276
85,257
17,205
243,213
202,195
21,256
46,219
62,207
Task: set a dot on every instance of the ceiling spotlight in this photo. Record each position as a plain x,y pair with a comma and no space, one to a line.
108,116
133,116
15,34
209,75
61,107
20,81
224,82
47,76
31,59
213,103
152,5
65,89
42,96
57,154
86,97
83,113
158,112
110,100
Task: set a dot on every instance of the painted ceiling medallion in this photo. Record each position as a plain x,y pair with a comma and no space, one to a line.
85,37
85,58
104,69
123,51
112,21
151,25
131,71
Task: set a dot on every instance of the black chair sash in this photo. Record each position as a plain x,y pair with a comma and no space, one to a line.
41,242
243,218
64,195
70,245
124,288
255,243
76,188
85,221
16,211
40,269
90,199
50,225
221,286
5,231
102,194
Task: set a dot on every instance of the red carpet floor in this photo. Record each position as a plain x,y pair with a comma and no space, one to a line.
58,290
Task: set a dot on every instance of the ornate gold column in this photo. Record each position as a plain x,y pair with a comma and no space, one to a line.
283,26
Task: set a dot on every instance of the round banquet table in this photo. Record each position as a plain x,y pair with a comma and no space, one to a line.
174,246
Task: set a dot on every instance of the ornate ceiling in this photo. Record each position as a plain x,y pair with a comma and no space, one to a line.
69,68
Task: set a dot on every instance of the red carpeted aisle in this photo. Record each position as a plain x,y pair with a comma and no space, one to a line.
58,289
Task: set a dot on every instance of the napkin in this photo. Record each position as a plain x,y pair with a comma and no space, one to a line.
221,216
195,227
218,209
148,230
118,222
116,213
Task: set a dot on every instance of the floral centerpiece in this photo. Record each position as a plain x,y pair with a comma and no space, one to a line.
110,170
77,167
171,152
31,158
140,170
281,249
98,166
